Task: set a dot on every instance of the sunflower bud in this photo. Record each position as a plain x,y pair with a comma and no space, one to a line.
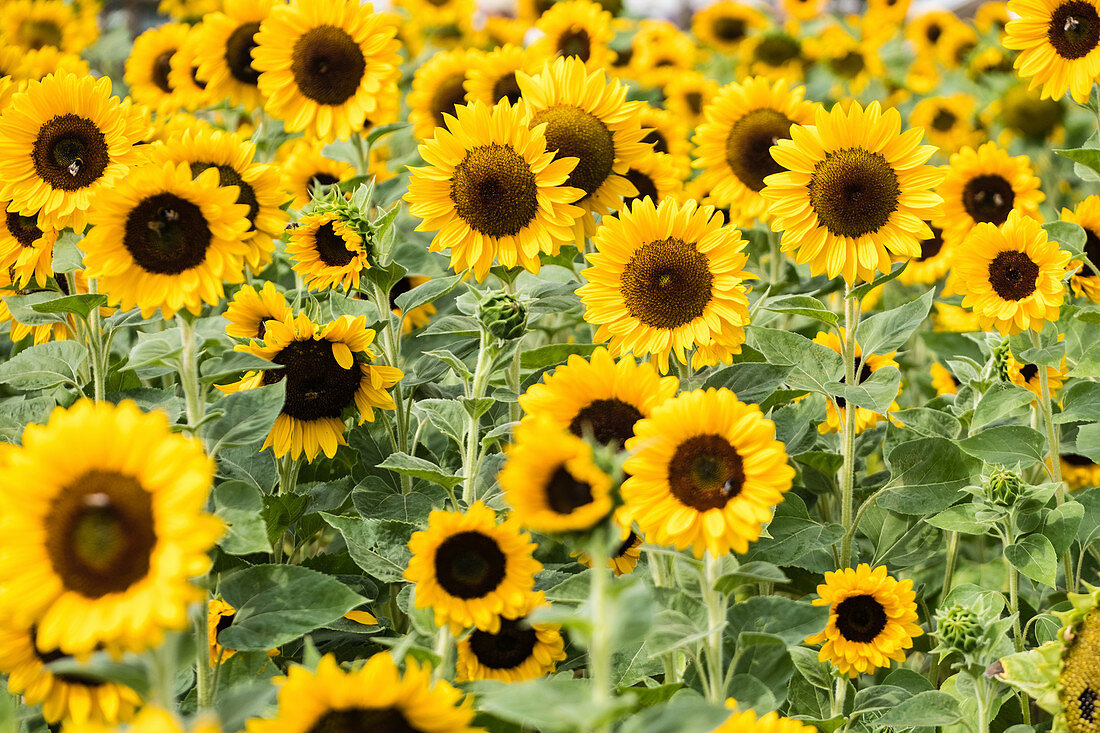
1000,360
1003,487
503,316
959,629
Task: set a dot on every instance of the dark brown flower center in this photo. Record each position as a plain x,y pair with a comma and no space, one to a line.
508,648
1092,251
706,472
238,53
317,387
645,185
944,120
401,287
1074,29
632,540
1086,704
449,94
574,133
931,247
162,65
854,192
470,565
657,140
359,720
749,143
1029,372
506,87
23,228
694,102
860,618
327,64
167,234
229,176
848,66
610,420
1076,459
575,42
70,152
988,199
1030,115
37,34
667,283
565,494
331,247
777,49
1013,275
730,30
494,190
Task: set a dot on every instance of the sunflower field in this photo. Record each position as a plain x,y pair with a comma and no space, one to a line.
549,366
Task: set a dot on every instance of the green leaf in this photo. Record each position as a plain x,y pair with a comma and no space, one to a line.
22,307
448,417
876,393
1088,441
241,506
1006,444
802,305
751,381
813,671
1002,400
378,132
682,713
81,304
812,364
889,330
382,503
379,546
961,518
67,256
1068,235
277,604
1061,525
792,538
249,416
1034,556
1088,365
408,465
925,710
927,475
1088,158
560,703
426,293
551,354
791,621
865,288
452,361
157,353
1080,403
756,571
44,366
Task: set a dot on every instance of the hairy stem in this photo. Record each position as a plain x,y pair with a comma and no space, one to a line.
848,433
204,689
476,391
715,602
189,373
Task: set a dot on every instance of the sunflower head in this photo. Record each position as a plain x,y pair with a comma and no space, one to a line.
519,650
1059,44
1028,114
578,29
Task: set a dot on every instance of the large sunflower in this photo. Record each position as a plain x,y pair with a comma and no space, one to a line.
705,471
323,64
149,65
872,619
1012,275
36,24
947,120
26,248
588,118
600,395
733,147
666,279
306,169
470,569
224,52
164,240
250,309
376,697
835,412
1085,280
323,377
518,651
493,191
492,76
327,252
724,24
439,88
551,481
258,186
1059,44
576,29
855,192
63,141
985,185
100,547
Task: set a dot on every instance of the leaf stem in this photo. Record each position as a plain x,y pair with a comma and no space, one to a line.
390,343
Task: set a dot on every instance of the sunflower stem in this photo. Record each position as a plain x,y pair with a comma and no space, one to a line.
189,372
599,647
473,428
775,261
715,601
204,689
1054,454
848,434
1014,604
98,351
952,557
444,644
390,344
840,694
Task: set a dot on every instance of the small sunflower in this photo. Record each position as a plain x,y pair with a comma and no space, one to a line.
101,546
927,31
853,62
872,619
164,240
439,12
1027,375
250,309
26,248
492,76
63,142
588,118
323,379
1059,45
668,134
885,16
519,650
624,558
224,52
1012,275
64,697
855,192
306,170
1078,471
1026,114
705,471
864,419
686,95
725,24
776,54
37,65
985,185
376,697
655,177
947,120
933,262
188,10
323,64
219,616
150,64
943,381
803,9
183,73
439,88
419,316
578,29
662,52
470,569
493,190
327,252
733,147
1085,280
665,279
36,24
992,17
747,722
152,719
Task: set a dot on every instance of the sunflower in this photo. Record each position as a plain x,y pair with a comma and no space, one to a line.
1078,471
188,10
63,142
306,170
1085,281
665,279
258,186
40,333
26,248
686,95
624,558
884,16
669,136
933,262
35,24
655,177
439,12
854,193
947,120
150,64
958,43
327,252
1059,45
927,31
989,61
100,546
250,309
439,88
72,698
183,73
725,24
776,54
419,316
492,76
163,240
518,651
1025,113
872,618
952,318
47,60
992,17
854,63
493,191
705,471
661,52
835,413
747,722
575,29
943,381
224,52
733,146
551,482
472,570
219,616
1027,376
152,719
1012,275
323,379
588,118
803,9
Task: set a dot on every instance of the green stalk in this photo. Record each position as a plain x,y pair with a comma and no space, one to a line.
840,694
98,350
599,647
189,372
715,602
848,434
952,558
390,344
204,689
1014,604
477,388
443,646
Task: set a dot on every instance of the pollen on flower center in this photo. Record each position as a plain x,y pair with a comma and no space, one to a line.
854,192
1074,29
70,152
706,472
1013,275
667,283
495,191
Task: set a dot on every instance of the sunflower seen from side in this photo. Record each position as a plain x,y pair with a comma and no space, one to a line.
1085,281
872,619
327,371
704,473
836,408
1059,45
102,546
578,29
985,186
1012,275
667,279
623,558
26,248
470,569
224,52
943,381
519,650
439,88
149,65
854,193
327,252
933,262
493,191
250,309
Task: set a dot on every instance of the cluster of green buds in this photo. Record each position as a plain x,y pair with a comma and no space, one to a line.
1001,353
503,316
971,630
1003,488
